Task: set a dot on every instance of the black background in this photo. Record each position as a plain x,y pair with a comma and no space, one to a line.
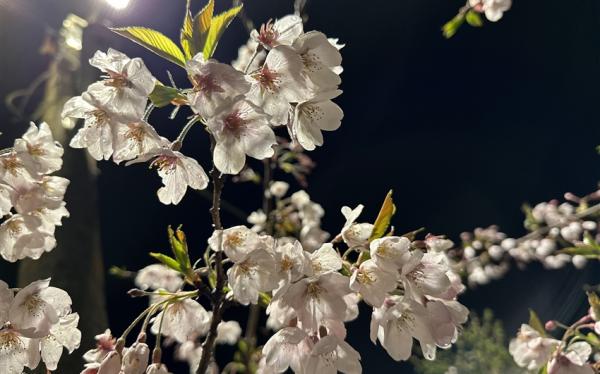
464,131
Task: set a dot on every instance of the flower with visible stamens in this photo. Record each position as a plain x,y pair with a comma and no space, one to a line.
313,116
283,31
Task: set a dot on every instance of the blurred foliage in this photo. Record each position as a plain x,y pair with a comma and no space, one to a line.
481,348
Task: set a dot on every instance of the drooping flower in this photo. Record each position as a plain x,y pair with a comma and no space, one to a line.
332,354
214,83
135,358
157,369
240,128
283,31
64,334
177,172
287,348
530,350
446,318
183,320
312,116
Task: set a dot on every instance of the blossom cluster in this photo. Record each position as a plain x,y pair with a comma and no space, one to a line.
559,233
534,348
36,323
31,200
293,87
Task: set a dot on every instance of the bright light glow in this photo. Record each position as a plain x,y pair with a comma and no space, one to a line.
118,4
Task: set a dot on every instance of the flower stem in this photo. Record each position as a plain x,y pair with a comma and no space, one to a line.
218,299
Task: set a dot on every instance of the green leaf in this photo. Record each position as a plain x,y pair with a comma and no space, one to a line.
544,370
535,323
163,95
179,247
200,28
584,250
474,19
166,260
452,26
594,301
382,223
154,41
218,25
185,37
593,339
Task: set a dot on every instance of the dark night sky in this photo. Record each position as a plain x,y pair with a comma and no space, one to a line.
464,130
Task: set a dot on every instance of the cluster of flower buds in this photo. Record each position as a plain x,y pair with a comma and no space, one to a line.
558,234
577,352
293,217
31,200
36,323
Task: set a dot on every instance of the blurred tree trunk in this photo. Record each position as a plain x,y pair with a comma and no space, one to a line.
76,264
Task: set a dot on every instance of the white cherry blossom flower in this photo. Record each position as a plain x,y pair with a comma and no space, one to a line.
133,139
287,348
246,57
96,135
446,317
252,274
64,334
278,83
332,354
319,58
313,116
127,83
183,320
228,332
6,193
214,83
425,274
17,352
530,350
372,283
390,252
240,128
37,308
278,188
283,31
290,261
317,299
158,276
111,364
397,322
237,242
12,169
323,260
355,234
6,299
177,172
38,150
106,343
20,237
493,9
574,360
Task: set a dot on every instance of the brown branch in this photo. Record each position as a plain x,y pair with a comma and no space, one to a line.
218,297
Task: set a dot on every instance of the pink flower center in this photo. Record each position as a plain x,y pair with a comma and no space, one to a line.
268,79
268,35
165,163
206,84
234,122
117,80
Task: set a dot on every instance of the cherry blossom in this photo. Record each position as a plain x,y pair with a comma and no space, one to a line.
319,58
531,350
158,276
493,9
240,128
177,172
38,150
312,116
182,321
134,139
214,83
62,335
372,282
283,31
